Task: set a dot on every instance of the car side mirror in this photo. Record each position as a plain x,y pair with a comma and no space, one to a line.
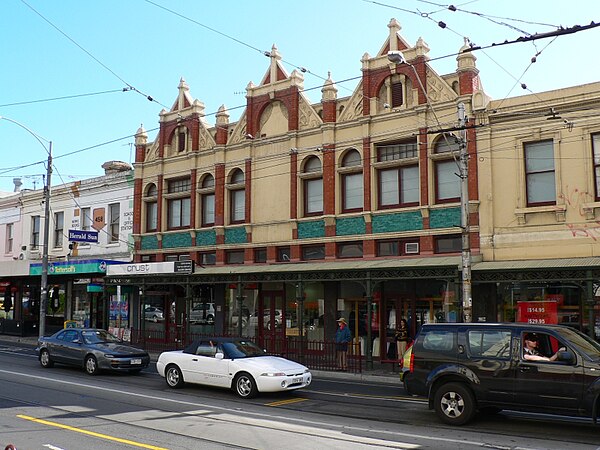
219,355
566,356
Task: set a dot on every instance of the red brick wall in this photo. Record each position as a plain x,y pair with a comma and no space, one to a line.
329,179
219,194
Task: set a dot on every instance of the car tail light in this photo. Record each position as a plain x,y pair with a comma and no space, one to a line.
412,361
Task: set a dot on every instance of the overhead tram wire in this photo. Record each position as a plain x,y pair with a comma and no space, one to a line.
66,97
131,87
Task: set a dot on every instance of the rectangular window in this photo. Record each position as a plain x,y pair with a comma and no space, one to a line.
399,186
151,216
59,220
388,248
596,154
238,206
260,255
539,172
350,250
208,258
283,254
313,252
396,94
447,182
114,213
314,196
181,142
235,256
35,232
179,213
182,185
208,209
448,244
396,152
9,238
353,192
85,219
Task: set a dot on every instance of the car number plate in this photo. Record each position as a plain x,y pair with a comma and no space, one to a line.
297,380
136,361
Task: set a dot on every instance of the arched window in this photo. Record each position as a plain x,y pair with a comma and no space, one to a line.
352,182
312,176
447,183
151,201
207,200
237,197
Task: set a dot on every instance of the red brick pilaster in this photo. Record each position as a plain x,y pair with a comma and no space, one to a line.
137,206
329,179
219,194
329,111
369,248
294,184
193,198
159,203
248,190
426,245
367,174
423,166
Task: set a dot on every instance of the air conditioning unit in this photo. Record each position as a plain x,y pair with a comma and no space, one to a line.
411,248
33,254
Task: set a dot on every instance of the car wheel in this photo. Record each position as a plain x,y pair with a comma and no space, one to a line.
245,386
174,377
154,319
45,359
91,365
454,403
210,320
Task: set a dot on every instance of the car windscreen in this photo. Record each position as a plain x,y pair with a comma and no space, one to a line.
97,336
242,349
582,343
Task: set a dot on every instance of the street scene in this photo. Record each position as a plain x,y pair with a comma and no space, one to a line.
342,224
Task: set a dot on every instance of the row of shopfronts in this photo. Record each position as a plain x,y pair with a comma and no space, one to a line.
168,302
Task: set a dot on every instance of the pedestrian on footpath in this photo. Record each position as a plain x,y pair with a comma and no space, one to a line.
342,338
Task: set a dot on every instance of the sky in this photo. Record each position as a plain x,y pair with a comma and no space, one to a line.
79,73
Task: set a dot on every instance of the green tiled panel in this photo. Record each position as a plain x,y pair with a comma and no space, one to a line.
206,237
350,226
235,235
444,218
408,221
307,230
149,242
176,240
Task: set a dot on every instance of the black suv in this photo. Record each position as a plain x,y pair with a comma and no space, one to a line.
468,367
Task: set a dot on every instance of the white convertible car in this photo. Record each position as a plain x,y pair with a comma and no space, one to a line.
232,363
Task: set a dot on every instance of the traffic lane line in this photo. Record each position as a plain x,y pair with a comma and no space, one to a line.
288,401
90,433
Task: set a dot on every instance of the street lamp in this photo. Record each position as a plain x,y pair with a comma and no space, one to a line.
44,282
397,57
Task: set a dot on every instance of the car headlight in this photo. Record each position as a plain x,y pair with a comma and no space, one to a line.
272,374
109,356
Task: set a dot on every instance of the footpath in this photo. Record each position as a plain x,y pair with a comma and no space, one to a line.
381,373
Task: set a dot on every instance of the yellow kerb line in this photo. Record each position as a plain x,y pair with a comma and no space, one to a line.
90,433
287,402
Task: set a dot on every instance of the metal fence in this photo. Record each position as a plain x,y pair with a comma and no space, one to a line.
316,355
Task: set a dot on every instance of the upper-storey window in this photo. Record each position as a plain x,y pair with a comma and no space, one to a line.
596,153
151,201
352,182
445,156
114,217
539,173
86,219
178,203
392,93
35,232
9,238
59,225
312,176
207,200
398,174
237,197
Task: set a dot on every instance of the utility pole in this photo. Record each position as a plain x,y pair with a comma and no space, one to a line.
467,300
44,283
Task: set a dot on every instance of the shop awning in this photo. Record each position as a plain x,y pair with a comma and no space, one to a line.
539,264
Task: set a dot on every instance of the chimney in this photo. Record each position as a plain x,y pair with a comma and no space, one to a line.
18,183
111,167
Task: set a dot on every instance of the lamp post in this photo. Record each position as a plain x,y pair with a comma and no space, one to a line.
44,281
